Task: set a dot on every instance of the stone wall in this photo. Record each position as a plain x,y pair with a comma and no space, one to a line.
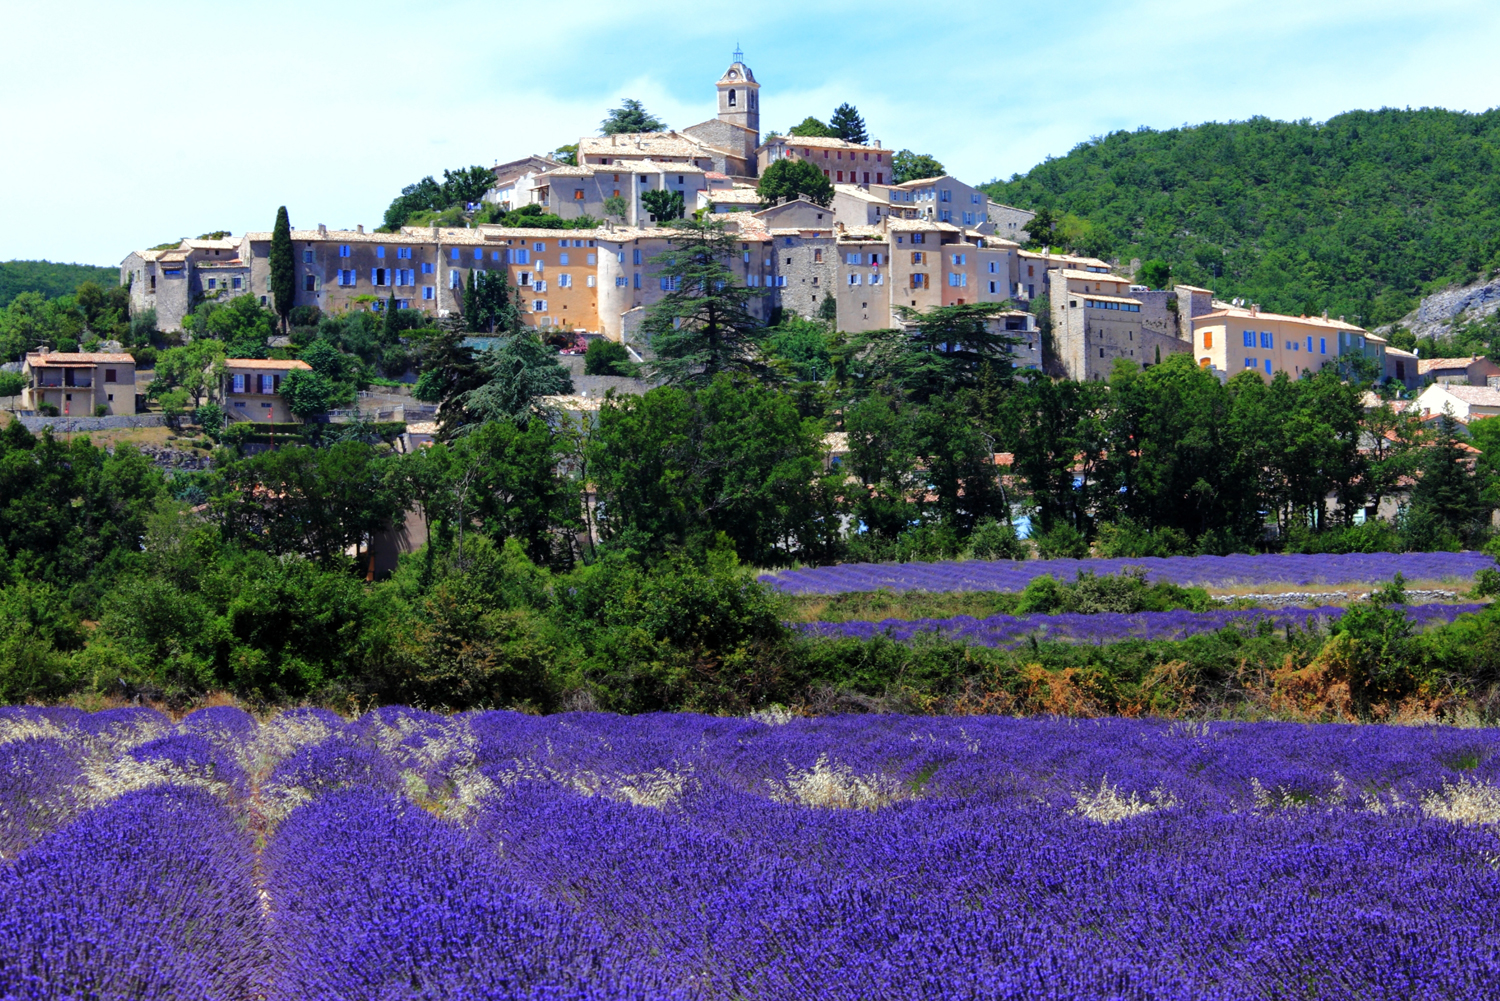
69,425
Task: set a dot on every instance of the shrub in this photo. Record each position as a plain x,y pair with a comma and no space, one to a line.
996,540
606,357
1062,542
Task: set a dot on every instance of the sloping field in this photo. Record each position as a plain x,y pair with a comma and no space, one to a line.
1200,571
496,855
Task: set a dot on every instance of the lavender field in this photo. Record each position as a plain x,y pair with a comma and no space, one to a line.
1111,627
583,856
1200,571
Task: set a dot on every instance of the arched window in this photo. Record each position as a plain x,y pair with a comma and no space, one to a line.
731,98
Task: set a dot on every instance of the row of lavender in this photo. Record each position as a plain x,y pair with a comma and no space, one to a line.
1112,627
1200,571
494,855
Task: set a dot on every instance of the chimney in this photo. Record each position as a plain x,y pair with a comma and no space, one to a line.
322,230
1255,309
875,143
1325,314
612,139
360,228
1341,318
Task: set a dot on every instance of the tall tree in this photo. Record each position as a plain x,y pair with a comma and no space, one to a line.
786,179
847,124
283,269
938,353
631,116
516,374
473,309
701,325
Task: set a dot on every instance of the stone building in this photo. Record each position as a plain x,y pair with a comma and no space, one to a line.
1234,339
1099,318
842,162
79,382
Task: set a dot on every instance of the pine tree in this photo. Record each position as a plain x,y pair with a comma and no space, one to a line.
847,124
702,325
283,271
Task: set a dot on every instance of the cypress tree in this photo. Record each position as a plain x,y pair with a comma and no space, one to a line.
470,306
283,272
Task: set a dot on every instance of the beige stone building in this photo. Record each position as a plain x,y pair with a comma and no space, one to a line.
79,382
840,161
1236,339
1475,370
1096,319
249,389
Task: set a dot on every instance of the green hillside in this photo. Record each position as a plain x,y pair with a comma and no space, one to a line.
51,280
1360,215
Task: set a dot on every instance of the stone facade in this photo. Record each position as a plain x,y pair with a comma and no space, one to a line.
249,389
78,382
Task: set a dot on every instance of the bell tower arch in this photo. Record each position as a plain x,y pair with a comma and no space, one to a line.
739,95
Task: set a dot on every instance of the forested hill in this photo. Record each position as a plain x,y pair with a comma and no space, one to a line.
1360,215
51,280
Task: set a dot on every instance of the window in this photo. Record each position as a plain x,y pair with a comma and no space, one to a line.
591,281
380,276
520,256
851,258
671,284
875,279
111,375
916,257
309,283
454,281
238,382
817,255
565,280
959,259
307,256
879,177
637,279
343,250
1268,366
992,287
562,258
539,305
403,253
1208,338
1249,338
919,238
346,276
380,253
478,253
454,254
635,257
1267,340
578,194
621,281
426,267
1322,345
428,292
994,267
267,384
781,281
523,278
593,259
918,280
1249,362
539,247
957,279
854,279
1309,345
945,195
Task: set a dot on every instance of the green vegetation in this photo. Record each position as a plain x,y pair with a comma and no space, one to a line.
81,319
813,127
846,124
283,273
909,166
460,188
784,180
606,357
1360,215
630,116
50,280
663,205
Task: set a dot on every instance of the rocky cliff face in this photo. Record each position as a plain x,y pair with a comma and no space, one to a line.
1440,314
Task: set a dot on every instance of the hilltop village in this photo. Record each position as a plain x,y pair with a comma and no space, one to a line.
877,245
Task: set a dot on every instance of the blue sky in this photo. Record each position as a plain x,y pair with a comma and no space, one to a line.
123,126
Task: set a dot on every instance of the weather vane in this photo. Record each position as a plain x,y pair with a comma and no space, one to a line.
739,56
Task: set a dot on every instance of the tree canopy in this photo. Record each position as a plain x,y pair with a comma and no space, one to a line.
846,124
813,127
785,179
630,116
909,166
1360,215
461,187
50,280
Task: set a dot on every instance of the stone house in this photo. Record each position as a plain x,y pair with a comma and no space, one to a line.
1233,339
1466,403
840,161
249,389
79,382
1473,371
573,192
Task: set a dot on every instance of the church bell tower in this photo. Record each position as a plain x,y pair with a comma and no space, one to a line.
739,95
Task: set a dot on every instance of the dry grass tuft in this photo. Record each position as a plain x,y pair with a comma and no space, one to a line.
836,786
1106,805
1464,802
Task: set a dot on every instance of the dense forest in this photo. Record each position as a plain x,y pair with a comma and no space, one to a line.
1360,215
50,280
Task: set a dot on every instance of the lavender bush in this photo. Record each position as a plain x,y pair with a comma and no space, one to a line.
1110,627
499,855
1201,571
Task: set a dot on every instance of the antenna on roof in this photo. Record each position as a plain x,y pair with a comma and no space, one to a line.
739,56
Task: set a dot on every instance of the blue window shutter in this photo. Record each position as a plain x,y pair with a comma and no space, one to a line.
1268,366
